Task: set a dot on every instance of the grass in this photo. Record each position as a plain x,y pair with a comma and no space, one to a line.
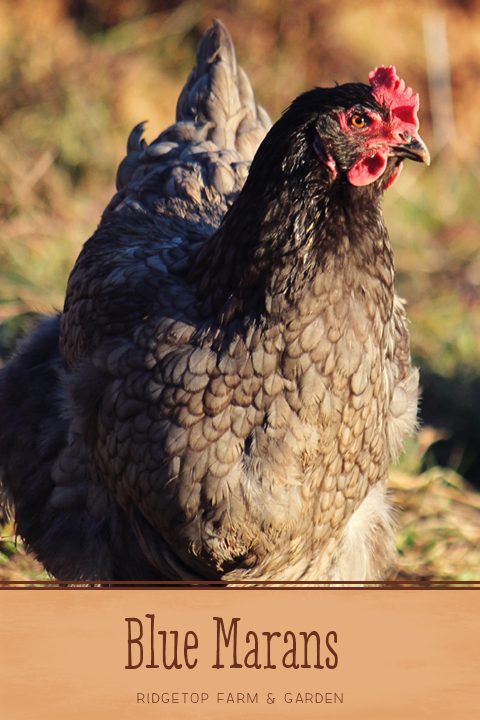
15,562
438,536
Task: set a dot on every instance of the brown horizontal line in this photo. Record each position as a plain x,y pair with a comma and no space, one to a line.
240,584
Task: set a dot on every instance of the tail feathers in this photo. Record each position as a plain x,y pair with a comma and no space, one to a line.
219,93
57,509
210,93
203,159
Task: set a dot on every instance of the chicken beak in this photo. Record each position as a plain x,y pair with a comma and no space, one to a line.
413,148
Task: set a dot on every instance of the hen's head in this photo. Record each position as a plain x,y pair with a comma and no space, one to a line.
374,134
358,133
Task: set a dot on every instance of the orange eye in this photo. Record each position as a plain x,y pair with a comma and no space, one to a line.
358,121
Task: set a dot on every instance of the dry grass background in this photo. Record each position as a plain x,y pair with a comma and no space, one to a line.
76,75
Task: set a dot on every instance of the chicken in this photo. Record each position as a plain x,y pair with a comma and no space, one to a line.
230,376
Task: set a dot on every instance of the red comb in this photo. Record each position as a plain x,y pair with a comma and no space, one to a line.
390,90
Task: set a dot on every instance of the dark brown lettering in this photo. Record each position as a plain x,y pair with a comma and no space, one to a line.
333,665
233,630
131,641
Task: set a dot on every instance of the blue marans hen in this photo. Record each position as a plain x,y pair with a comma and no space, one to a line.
230,376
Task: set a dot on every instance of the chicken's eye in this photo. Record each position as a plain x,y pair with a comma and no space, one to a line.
359,121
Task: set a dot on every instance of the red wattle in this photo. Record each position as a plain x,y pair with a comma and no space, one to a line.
368,169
